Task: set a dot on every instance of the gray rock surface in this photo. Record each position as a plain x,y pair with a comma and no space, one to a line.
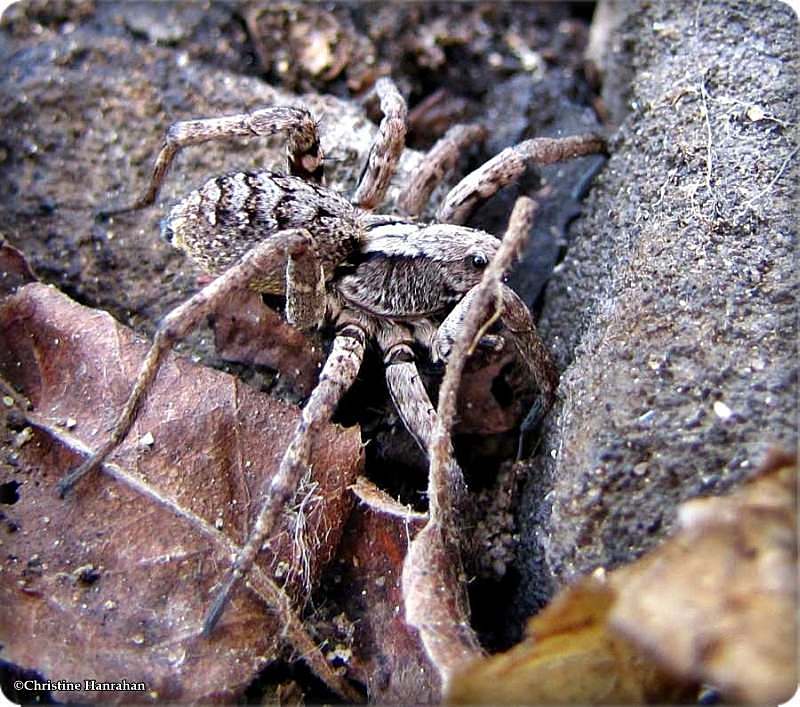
674,314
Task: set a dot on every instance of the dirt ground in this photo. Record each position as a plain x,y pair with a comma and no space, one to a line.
668,296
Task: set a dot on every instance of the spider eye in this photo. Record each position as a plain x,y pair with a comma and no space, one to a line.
479,262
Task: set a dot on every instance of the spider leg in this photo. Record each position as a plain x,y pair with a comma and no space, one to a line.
517,326
440,160
338,374
419,417
305,284
303,149
508,166
387,148
519,329
289,244
408,394
434,592
414,405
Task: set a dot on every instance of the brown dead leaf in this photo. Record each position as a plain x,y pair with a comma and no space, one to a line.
569,657
496,393
246,331
14,269
113,582
387,655
716,603
436,600
500,387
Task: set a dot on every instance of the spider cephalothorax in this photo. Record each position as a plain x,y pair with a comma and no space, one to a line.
388,278
409,270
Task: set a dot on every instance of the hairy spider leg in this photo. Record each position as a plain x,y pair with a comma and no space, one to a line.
303,149
519,331
439,161
445,498
387,147
338,374
509,165
433,561
290,247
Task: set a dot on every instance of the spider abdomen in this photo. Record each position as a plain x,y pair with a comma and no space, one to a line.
222,220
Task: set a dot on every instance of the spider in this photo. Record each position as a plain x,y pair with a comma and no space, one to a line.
391,279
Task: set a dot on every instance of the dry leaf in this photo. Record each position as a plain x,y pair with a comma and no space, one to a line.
113,582
495,394
14,269
716,603
387,656
569,657
248,332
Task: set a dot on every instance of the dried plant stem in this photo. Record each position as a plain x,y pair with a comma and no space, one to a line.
485,305
434,586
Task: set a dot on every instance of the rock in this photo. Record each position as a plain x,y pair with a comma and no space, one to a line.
677,298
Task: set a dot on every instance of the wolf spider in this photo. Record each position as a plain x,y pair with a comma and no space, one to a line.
387,278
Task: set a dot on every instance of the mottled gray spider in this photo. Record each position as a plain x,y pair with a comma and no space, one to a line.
387,278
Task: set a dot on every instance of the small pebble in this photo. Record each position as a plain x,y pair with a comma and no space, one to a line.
755,113
647,417
722,411
22,438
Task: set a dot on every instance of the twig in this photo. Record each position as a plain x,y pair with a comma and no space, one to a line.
697,17
709,144
485,305
434,585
